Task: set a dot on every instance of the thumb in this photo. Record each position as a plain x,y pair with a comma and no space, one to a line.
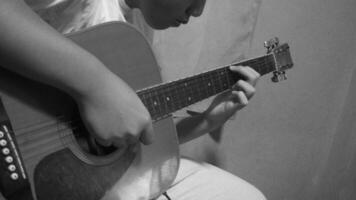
238,100
147,135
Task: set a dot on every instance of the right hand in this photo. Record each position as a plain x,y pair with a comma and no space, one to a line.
115,115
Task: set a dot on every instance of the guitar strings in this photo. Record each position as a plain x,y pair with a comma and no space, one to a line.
55,122
42,124
152,95
50,124
64,128
54,146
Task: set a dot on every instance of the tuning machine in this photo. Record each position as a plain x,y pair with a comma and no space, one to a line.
279,76
271,44
281,58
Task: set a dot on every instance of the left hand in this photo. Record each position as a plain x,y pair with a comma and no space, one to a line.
228,103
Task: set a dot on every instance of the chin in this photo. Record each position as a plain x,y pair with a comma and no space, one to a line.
160,27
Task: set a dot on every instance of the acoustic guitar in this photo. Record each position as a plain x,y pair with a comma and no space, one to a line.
46,153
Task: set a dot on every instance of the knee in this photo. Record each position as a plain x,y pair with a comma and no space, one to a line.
254,194
236,186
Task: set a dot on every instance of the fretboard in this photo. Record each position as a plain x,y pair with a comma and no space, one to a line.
164,99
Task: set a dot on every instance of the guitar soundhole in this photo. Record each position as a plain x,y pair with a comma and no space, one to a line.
89,145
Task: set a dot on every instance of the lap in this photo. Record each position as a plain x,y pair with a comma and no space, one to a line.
204,181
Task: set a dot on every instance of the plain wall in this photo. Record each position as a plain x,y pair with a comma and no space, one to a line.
296,139
300,120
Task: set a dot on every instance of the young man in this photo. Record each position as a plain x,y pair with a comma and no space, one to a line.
25,35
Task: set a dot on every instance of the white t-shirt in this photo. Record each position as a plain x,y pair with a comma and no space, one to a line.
68,16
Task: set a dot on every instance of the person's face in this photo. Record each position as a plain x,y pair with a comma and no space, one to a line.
161,14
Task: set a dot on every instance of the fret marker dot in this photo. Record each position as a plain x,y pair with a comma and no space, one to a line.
168,98
209,84
155,103
189,98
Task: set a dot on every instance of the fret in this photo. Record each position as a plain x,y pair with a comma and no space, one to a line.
188,86
216,82
193,95
221,86
169,97
192,90
213,89
166,98
262,65
157,103
145,100
150,106
156,109
223,79
179,95
227,72
212,82
175,96
197,87
172,97
163,103
205,86
185,92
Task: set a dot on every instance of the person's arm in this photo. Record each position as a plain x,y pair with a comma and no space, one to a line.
110,109
221,109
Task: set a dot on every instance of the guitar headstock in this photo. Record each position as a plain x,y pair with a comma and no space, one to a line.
282,58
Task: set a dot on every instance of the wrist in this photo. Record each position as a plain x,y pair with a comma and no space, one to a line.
212,123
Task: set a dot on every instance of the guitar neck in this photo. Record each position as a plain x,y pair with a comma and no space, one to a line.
161,100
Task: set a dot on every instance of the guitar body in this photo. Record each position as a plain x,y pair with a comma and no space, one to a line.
43,125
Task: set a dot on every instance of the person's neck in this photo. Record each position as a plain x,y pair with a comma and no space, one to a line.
132,3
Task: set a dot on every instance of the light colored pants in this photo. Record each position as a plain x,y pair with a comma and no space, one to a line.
203,181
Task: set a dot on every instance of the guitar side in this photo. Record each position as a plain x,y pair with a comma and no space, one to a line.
41,118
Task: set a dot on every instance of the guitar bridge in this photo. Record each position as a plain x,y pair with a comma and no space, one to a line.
14,182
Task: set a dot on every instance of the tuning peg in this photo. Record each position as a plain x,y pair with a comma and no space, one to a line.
283,75
271,44
279,76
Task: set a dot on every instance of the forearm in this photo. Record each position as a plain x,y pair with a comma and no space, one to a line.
32,48
192,127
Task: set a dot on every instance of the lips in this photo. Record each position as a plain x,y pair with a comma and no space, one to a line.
175,23
178,22
182,21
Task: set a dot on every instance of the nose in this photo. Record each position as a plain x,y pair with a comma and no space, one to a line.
196,9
